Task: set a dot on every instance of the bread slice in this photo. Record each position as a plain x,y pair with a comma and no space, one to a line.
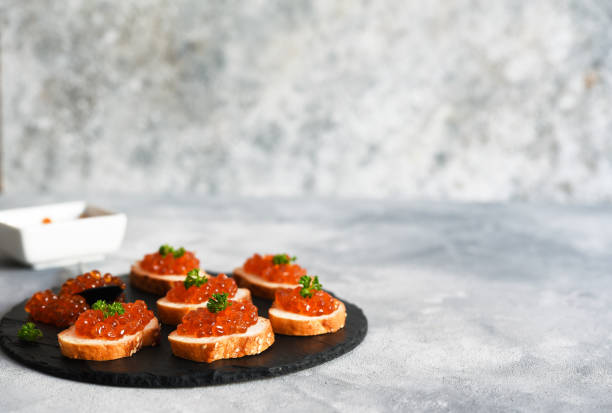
256,339
291,324
258,286
153,283
76,347
172,313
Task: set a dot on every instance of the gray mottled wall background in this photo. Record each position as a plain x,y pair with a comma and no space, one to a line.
470,100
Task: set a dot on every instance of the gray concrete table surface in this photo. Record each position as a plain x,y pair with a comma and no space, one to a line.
471,307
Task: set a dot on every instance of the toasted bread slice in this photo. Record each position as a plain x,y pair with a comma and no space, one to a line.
256,339
153,283
291,324
258,286
172,313
75,347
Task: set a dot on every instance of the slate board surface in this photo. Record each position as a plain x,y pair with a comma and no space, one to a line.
157,367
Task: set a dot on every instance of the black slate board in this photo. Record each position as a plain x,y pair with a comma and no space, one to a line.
157,367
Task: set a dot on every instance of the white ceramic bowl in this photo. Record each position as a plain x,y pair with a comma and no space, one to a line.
77,233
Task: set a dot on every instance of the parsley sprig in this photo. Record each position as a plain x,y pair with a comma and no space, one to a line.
195,277
279,259
309,285
29,332
218,302
167,249
108,309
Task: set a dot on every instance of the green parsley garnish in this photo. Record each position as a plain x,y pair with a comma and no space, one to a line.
195,277
167,249
108,309
279,259
309,285
218,302
29,332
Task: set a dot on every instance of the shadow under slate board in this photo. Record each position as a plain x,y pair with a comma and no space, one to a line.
158,367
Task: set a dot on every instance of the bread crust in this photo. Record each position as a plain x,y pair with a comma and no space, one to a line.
304,325
209,349
158,285
76,347
172,313
258,288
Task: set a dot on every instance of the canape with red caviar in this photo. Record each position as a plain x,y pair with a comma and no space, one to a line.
221,330
160,271
306,310
266,274
110,331
194,292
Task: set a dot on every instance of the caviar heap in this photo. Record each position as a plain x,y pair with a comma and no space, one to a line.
320,303
61,311
168,261
271,268
198,294
89,280
94,324
236,318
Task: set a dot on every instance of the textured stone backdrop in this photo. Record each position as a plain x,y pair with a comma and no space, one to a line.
474,100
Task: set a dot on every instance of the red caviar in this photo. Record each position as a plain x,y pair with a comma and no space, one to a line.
88,280
196,295
92,323
64,308
235,319
61,311
320,303
168,264
279,273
